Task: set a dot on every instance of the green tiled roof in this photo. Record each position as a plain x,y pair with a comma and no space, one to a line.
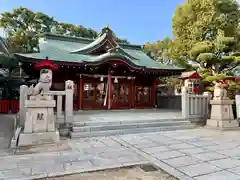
56,53
74,49
94,44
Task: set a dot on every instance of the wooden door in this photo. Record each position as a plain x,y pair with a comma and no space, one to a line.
143,97
121,95
94,95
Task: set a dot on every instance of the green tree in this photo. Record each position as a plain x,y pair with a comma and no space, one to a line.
206,32
72,30
196,21
159,50
7,61
24,27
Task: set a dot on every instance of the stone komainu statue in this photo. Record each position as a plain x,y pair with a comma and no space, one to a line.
220,92
44,84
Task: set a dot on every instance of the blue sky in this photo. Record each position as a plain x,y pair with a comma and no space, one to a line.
139,21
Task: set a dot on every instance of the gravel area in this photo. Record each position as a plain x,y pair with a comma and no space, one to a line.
128,173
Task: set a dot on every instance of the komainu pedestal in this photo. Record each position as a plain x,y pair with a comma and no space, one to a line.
39,125
221,113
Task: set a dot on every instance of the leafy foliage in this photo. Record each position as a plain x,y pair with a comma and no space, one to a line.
24,27
159,50
206,33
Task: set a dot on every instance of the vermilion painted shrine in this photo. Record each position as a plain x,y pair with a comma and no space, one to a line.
107,75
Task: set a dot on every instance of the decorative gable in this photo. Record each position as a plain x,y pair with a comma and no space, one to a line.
190,75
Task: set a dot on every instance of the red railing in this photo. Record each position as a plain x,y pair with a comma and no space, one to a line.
14,106
4,106
7,106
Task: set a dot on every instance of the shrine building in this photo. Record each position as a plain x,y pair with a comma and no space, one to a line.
107,74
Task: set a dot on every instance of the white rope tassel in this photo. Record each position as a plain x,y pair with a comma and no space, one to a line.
106,94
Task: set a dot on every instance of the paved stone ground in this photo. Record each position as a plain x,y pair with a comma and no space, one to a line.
198,154
6,133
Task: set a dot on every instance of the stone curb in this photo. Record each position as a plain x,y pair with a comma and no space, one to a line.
86,170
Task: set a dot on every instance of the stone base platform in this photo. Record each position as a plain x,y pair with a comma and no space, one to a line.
39,138
223,125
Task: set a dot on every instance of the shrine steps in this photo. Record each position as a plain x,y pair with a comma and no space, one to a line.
94,129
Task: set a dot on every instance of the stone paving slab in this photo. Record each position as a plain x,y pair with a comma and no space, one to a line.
156,149
168,155
182,161
235,170
199,169
221,175
192,151
226,163
177,152
194,154
92,154
209,156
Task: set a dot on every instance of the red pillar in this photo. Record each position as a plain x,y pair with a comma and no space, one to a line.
109,90
153,95
132,94
80,105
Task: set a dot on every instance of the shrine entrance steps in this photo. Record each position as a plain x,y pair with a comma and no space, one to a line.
107,123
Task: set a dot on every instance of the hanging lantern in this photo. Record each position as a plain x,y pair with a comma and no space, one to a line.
115,80
101,79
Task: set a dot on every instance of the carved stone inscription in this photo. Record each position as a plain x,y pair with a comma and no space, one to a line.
40,116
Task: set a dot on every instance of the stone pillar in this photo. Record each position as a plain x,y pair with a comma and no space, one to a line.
69,87
238,105
22,108
185,103
59,108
